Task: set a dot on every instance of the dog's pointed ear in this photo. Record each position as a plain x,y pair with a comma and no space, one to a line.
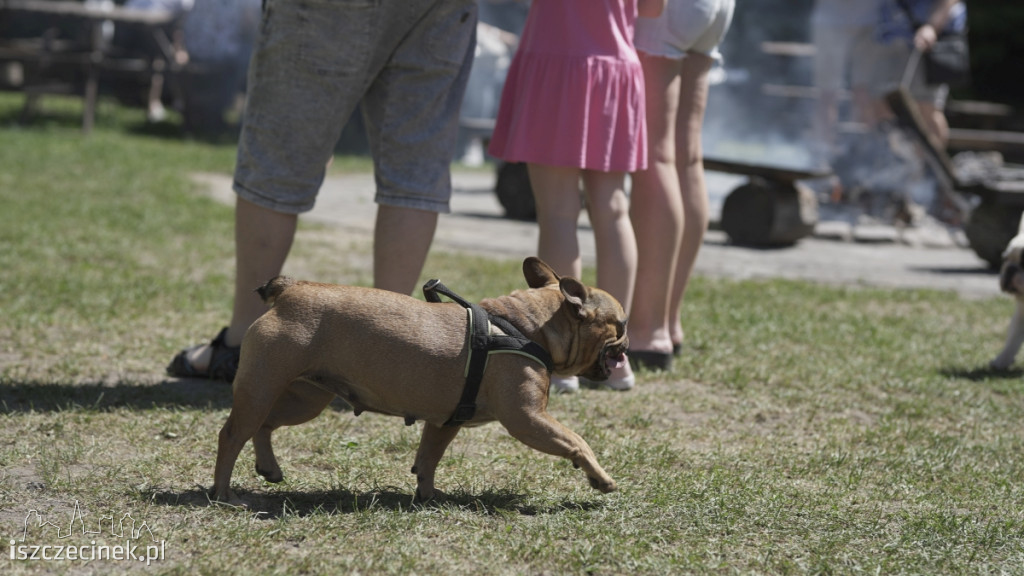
538,273
575,294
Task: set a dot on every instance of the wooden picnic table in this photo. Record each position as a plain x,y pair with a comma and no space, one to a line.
97,55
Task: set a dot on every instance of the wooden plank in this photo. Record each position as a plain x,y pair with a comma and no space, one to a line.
80,10
801,49
1000,140
767,171
798,91
979,108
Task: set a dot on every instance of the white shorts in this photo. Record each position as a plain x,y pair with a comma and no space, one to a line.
685,26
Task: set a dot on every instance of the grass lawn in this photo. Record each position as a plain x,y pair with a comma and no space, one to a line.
806,429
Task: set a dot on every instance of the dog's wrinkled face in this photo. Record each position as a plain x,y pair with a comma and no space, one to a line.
1011,276
597,344
607,327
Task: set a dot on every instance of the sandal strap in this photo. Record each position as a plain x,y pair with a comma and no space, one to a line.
223,361
223,358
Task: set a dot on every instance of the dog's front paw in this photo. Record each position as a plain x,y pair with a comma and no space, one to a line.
226,496
604,486
424,496
273,475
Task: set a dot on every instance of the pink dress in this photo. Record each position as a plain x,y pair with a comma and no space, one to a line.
574,95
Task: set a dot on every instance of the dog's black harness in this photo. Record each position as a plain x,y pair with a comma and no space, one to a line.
481,345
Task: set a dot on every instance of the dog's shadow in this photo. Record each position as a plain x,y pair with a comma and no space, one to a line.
42,396
270,506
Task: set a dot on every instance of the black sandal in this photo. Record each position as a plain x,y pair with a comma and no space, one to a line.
650,360
223,361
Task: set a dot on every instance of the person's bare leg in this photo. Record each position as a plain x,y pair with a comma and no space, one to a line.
614,239
656,210
401,242
155,106
557,196
263,238
935,122
615,243
693,98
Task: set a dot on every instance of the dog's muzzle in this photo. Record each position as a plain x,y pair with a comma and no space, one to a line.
613,355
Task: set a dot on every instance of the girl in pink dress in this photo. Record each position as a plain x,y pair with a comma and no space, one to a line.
573,109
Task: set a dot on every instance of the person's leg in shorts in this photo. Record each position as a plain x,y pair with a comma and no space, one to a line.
893,65
285,147
411,113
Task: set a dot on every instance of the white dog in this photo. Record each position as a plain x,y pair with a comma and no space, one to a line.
1011,280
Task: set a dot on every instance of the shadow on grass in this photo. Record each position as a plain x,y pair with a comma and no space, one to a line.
981,270
173,130
270,506
982,374
66,117
49,119
730,243
35,396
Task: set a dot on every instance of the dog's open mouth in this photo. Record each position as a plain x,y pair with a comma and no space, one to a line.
612,356
615,360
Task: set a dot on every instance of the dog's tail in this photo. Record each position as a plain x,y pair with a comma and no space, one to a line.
272,289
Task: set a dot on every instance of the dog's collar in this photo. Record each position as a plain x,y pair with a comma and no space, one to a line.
481,345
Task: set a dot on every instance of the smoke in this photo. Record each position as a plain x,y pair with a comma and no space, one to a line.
747,120
762,108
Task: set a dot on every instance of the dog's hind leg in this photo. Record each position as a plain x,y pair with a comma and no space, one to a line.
249,410
301,402
540,431
433,442
233,436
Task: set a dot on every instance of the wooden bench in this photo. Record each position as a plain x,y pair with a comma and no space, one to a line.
51,63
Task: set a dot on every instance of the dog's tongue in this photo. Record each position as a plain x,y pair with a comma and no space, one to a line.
616,361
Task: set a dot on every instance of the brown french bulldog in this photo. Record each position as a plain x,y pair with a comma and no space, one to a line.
393,354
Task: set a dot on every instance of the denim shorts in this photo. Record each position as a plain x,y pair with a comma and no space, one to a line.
405,61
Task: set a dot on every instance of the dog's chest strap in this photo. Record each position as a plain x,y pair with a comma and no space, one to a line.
481,344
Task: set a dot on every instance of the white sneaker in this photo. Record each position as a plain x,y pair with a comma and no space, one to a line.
621,384
564,384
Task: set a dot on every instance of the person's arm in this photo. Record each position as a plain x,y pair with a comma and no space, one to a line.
928,33
650,8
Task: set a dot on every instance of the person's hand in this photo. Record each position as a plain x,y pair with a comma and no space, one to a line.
925,38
